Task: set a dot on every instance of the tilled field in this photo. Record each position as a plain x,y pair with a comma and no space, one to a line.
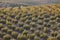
30,23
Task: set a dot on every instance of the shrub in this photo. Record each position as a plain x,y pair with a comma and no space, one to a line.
52,17
28,21
2,21
22,19
8,22
53,34
28,39
41,35
33,24
39,27
58,20
21,29
17,29
37,33
26,17
52,21
14,34
15,21
30,17
47,25
1,35
58,24
46,16
26,26
25,32
7,37
40,22
58,37
13,39
23,15
20,24
12,27
34,19
40,17
46,20
36,38
51,38
44,36
21,37
32,29
4,29
58,15
31,36
1,26
9,31
53,27
46,30
7,9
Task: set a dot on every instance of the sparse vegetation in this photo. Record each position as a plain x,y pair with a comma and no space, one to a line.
30,23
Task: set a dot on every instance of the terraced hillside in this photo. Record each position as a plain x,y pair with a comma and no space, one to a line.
30,23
